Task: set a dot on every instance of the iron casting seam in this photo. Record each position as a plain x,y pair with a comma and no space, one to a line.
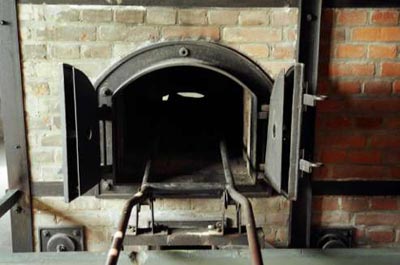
244,203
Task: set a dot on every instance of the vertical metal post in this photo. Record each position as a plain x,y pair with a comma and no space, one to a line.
308,54
12,111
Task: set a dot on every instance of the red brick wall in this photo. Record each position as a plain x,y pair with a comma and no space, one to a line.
358,128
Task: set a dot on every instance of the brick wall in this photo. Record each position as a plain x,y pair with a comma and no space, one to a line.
92,38
358,128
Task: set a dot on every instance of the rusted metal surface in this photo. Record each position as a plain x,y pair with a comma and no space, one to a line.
118,239
193,237
254,246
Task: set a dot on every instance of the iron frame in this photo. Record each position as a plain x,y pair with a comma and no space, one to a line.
181,3
12,111
308,54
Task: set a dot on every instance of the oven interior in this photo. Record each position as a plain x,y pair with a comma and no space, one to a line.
176,117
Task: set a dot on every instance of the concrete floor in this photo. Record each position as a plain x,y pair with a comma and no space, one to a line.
5,233
215,257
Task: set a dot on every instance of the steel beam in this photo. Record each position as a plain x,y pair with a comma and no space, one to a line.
356,188
308,54
12,111
176,3
108,191
361,3
182,237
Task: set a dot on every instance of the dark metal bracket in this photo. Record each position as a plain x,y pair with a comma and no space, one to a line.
12,111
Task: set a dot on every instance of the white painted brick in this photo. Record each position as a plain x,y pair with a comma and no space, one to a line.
96,51
85,203
52,172
113,32
65,51
121,50
254,17
88,218
51,139
61,13
129,15
143,33
192,16
161,16
34,51
99,14
43,156
223,16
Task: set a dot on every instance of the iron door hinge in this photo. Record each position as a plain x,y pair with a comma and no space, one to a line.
311,100
307,166
263,114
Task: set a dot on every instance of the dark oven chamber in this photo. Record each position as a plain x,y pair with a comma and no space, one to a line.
170,106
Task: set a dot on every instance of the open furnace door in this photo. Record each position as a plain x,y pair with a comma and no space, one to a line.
80,128
281,167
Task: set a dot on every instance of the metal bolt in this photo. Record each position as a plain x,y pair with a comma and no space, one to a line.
309,17
183,52
46,233
108,186
18,209
17,146
61,248
76,233
106,92
2,22
211,227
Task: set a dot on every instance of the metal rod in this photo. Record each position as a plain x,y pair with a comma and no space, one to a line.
9,200
138,198
118,239
104,142
245,205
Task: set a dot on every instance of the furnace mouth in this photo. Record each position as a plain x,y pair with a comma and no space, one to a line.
176,116
173,103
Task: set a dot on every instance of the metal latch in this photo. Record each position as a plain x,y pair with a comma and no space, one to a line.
307,166
263,114
311,100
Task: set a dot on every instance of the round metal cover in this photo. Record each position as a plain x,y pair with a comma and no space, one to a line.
60,242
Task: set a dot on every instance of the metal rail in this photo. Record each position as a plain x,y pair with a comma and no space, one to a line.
245,205
9,200
146,193
118,239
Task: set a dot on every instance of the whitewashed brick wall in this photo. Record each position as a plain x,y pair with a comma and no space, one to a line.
92,38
